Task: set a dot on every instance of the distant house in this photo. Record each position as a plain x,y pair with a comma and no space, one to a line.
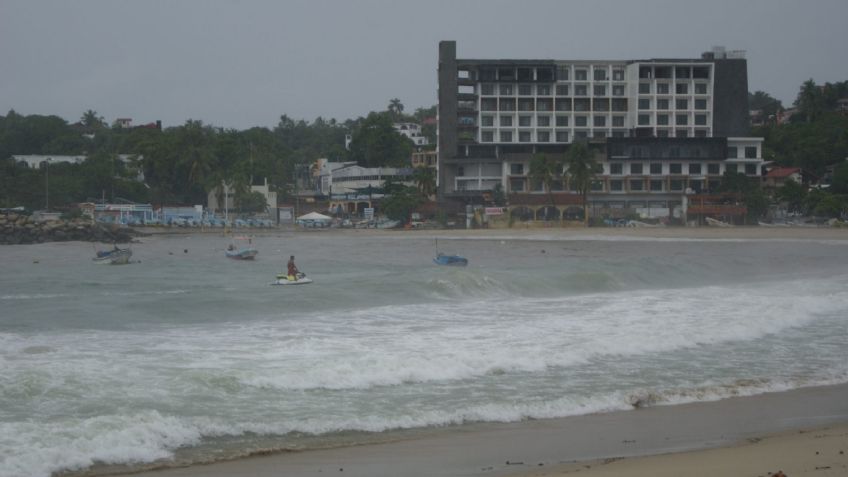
34,161
778,176
221,199
413,132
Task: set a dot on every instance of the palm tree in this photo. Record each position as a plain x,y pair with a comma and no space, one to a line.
425,179
546,170
91,120
582,169
395,107
810,100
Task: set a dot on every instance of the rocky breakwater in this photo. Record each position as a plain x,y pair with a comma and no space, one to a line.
21,229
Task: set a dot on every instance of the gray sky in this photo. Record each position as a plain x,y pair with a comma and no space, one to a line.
243,63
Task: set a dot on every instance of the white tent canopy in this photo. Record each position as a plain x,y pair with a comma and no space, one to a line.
314,216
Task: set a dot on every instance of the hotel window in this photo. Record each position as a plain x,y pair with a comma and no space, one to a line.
618,121
580,121
636,168
543,136
523,136
713,169
506,121
637,185
487,89
600,121
695,168
618,75
506,90
700,88
600,90
580,75
675,168
731,168
751,152
562,72
700,119
662,119
489,104
662,104
656,168
516,169
599,133
681,119
580,90
600,74
675,185
525,90
656,185
700,133
562,90
525,121
581,134
681,104
662,88
516,185
562,136
543,121
681,88
507,104
487,121
543,90
750,169
506,136
487,136
731,153
644,103
616,185
562,121
616,168
681,133
701,104
618,90
644,119
644,88
662,132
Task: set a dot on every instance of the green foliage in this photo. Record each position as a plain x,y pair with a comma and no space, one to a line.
425,180
830,205
763,102
793,194
375,143
546,170
839,185
401,202
498,195
582,169
749,190
250,202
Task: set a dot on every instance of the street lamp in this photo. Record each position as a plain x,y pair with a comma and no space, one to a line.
47,184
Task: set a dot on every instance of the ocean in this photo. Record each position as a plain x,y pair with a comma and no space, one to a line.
186,356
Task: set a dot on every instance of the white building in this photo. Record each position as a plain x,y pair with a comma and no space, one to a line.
413,132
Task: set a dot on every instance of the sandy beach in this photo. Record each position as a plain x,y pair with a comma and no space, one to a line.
801,432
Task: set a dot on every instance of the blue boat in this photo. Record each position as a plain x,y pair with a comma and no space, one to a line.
241,249
450,260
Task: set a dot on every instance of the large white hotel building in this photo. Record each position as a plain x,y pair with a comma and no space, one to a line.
661,128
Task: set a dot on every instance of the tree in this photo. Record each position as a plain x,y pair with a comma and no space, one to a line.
749,190
793,194
765,103
396,108
582,169
810,100
425,180
376,143
91,120
840,179
546,170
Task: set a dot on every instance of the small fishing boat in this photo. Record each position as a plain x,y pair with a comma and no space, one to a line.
450,260
116,256
299,279
241,248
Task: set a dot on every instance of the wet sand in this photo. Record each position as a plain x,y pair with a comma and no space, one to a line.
748,435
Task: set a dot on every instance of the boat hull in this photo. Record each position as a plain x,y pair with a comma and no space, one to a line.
243,254
451,261
283,280
113,257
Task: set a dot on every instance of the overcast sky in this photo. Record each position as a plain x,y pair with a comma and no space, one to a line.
243,63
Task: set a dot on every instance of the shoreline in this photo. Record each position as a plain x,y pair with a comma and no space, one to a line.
778,427
530,233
